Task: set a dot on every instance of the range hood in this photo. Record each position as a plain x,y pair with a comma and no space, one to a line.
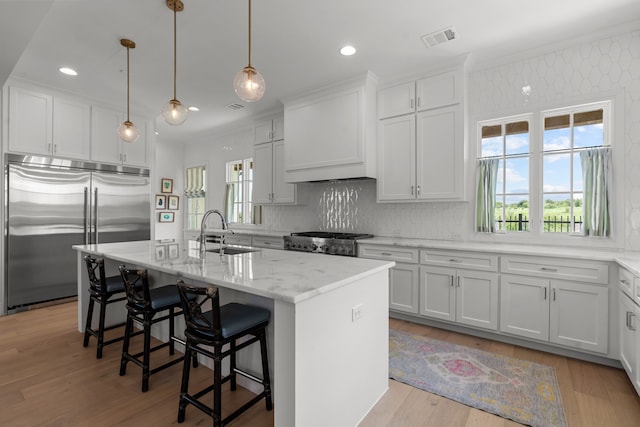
330,133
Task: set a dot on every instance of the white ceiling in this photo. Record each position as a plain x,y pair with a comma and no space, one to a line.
295,44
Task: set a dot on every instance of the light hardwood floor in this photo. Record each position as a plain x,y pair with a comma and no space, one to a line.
48,379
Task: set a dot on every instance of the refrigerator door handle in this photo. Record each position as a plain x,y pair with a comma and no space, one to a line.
95,215
86,216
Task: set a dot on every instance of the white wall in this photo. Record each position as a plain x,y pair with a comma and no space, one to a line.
168,164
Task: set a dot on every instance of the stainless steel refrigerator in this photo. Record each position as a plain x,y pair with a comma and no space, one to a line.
52,204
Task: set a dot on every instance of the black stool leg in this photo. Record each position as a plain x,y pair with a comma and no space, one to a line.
87,325
217,391
171,330
232,365
103,313
266,379
184,387
125,345
146,353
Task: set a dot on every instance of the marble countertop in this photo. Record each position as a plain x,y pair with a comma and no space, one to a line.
289,276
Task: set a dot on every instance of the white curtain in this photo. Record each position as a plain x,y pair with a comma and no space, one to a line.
229,203
195,186
487,176
597,176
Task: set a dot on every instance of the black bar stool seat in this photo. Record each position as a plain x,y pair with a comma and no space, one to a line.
143,304
103,291
214,329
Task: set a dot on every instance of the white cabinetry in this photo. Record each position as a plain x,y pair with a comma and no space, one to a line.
107,147
404,277
268,175
629,325
421,140
543,307
468,297
331,132
40,124
269,130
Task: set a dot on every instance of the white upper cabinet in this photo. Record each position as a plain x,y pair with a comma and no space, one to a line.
397,100
42,124
331,132
421,140
107,147
71,128
269,130
30,121
269,186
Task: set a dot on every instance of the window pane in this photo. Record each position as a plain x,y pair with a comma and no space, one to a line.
517,175
556,171
557,213
500,181
517,213
517,138
577,173
491,147
557,139
588,129
577,212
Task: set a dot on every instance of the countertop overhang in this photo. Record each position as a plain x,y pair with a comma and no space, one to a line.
288,276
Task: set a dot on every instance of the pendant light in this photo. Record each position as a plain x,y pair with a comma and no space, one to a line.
127,131
174,112
248,82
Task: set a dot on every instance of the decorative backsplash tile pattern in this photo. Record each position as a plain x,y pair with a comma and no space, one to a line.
586,70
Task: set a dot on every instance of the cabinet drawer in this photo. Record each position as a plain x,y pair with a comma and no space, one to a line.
626,281
591,272
390,253
476,261
268,242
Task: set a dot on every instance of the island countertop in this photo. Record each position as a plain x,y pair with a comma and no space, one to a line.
288,276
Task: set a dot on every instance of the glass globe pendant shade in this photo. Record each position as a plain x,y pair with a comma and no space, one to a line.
128,132
249,84
174,112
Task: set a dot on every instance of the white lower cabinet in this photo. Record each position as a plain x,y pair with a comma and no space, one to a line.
629,325
568,313
464,296
404,287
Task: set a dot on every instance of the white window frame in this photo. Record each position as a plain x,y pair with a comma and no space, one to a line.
247,202
186,203
536,235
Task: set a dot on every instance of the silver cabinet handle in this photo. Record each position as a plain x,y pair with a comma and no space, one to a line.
385,253
49,147
630,316
411,102
458,281
451,281
418,189
454,260
412,190
55,148
125,158
95,216
545,293
554,294
548,269
419,101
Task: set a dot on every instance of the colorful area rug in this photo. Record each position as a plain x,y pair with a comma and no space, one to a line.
521,391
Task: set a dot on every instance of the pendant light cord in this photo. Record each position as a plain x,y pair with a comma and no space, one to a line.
128,84
175,49
249,33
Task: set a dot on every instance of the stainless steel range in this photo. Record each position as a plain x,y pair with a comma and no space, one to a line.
324,242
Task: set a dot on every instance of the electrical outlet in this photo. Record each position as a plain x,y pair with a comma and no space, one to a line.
356,312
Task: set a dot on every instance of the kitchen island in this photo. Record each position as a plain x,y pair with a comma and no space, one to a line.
328,337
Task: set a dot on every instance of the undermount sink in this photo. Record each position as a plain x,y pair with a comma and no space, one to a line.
232,251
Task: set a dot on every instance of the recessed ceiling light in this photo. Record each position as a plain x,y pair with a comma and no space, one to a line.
348,50
193,108
68,71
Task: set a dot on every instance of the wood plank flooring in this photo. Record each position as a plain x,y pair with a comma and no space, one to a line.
48,379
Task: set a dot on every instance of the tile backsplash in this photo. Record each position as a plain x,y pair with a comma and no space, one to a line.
350,206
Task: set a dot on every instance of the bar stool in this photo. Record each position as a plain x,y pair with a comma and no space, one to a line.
215,328
101,290
142,306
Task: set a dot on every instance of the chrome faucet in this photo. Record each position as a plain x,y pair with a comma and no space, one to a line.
203,225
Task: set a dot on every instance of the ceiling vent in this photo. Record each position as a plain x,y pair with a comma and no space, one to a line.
439,37
234,106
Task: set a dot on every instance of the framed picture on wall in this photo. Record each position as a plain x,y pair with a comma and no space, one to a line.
166,216
174,202
161,201
174,251
167,185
